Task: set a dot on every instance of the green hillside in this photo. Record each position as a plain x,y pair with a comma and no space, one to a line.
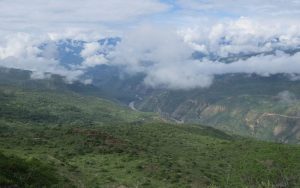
27,173
63,139
265,108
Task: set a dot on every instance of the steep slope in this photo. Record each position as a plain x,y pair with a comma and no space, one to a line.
263,107
17,172
44,107
153,155
92,142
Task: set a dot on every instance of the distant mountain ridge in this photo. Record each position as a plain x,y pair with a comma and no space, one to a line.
235,102
250,105
69,50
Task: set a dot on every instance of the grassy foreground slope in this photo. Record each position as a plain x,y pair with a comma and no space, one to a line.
27,173
68,140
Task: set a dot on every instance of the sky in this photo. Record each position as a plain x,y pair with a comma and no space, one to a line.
159,37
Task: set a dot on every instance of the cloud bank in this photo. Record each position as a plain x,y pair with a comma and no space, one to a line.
175,44
56,14
166,56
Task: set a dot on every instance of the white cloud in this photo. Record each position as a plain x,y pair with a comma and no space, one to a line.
22,51
90,49
242,35
162,55
94,60
50,50
244,7
41,67
156,40
166,57
36,14
262,65
93,55
178,77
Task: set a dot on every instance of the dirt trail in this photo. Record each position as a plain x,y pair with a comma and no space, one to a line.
273,114
131,105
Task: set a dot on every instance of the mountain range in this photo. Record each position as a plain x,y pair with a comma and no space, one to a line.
117,131
264,107
252,105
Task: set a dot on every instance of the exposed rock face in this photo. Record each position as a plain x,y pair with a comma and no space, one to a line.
213,110
264,107
264,118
